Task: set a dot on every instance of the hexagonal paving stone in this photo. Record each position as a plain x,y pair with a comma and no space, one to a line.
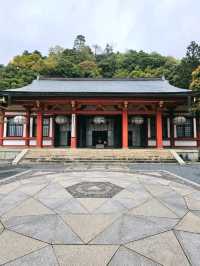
94,190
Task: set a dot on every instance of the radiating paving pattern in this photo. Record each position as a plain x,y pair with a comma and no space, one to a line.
94,218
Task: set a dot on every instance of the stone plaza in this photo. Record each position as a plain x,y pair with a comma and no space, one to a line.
99,217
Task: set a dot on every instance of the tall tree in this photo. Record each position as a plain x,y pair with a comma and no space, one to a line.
79,42
182,74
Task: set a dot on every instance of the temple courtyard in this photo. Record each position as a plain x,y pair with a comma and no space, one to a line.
99,215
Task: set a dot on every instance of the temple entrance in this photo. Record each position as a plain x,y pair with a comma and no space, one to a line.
100,139
137,135
62,136
99,135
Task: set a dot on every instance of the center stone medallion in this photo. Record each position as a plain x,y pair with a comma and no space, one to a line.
94,190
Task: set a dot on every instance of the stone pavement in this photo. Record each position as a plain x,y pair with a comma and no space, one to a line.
99,217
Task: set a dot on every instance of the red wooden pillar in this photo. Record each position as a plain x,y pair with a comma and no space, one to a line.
1,127
159,137
27,128
124,129
171,130
73,131
39,129
198,131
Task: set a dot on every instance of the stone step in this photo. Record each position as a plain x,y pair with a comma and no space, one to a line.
95,155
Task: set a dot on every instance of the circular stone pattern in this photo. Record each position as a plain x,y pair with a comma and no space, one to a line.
94,190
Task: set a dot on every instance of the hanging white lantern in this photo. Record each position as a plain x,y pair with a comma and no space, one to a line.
137,120
99,120
19,119
179,120
61,119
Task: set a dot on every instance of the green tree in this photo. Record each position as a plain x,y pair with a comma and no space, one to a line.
79,42
89,69
182,73
195,85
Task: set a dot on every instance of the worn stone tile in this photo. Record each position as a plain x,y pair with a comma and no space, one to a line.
11,201
42,257
66,183
127,257
193,201
154,180
129,228
54,190
129,203
35,180
91,204
28,207
1,227
158,190
124,194
14,246
5,189
153,208
122,183
47,228
190,223
162,248
31,189
110,206
139,192
71,206
181,189
88,226
175,202
53,197
88,255
190,242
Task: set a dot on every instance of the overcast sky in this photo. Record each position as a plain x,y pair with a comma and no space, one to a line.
165,26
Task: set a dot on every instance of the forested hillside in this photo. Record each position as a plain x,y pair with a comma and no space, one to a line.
85,61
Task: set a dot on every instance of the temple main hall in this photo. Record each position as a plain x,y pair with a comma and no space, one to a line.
98,113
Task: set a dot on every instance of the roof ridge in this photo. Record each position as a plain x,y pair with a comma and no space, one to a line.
98,79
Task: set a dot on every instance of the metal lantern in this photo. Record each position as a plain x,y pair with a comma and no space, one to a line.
179,120
99,120
19,119
61,119
137,120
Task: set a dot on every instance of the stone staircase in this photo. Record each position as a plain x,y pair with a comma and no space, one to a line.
48,155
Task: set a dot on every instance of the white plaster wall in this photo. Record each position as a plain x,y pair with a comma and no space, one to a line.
185,143
152,143
13,142
32,142
47,142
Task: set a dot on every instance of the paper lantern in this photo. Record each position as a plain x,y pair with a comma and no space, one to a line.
137,120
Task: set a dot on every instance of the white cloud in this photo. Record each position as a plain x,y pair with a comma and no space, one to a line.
166,26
